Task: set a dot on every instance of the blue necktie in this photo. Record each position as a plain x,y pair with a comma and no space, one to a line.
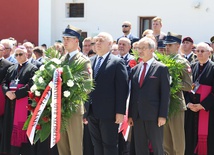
97,67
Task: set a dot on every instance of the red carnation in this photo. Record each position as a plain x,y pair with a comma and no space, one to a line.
45,119
37,99
38,127
132,63
30,108
139,60
31,95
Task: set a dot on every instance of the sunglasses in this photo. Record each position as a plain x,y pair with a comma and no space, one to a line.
125,25
202,51
20,54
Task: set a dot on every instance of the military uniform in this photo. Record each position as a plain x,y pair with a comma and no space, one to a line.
174,135
72,139
174,129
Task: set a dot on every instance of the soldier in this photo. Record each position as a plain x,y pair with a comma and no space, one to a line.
71,140
174,136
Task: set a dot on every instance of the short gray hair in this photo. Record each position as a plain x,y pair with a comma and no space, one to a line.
150,42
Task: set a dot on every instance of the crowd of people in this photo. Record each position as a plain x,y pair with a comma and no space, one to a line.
127,112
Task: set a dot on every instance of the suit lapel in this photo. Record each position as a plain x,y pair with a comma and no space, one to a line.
73,58
137,74
151,68
103,66
93,61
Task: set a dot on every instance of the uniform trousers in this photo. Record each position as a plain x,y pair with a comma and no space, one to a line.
174,135
71,140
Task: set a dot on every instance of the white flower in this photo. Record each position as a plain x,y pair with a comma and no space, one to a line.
70,83
170,80
34,78
57,61
42,68
33,88
50,84
37,93
66,93
41,80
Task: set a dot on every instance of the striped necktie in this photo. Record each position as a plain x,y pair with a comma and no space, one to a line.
97,67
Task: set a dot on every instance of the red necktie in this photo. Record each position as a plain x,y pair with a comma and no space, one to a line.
142,74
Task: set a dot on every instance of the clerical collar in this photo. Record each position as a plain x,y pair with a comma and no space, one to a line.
203,64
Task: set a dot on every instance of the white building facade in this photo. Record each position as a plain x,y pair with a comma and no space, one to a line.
192,18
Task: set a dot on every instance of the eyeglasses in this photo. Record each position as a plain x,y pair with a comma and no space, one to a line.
29,48
142,49
114,49
20,54
125,25
198,51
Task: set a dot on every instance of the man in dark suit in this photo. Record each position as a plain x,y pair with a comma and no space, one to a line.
124,46
39,53
126,28
107,103
29,46
149,100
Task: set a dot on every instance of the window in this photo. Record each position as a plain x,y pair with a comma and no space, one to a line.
145,23
75,10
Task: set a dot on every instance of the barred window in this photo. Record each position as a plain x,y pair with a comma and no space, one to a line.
76,10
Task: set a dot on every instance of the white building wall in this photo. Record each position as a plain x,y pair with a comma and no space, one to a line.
45,26
192,18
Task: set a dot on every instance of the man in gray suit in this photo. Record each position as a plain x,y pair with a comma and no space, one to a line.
149,100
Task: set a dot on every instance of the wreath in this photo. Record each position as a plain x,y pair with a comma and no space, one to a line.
56,85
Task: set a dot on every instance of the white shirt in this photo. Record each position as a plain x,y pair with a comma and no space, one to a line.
147,67
104,56
73,53
187,56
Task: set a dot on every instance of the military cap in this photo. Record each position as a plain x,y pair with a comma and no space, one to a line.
72,31
172,38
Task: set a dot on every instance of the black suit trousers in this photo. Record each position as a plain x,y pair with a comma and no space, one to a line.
145,132
104,135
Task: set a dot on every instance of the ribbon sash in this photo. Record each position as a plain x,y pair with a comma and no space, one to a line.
37,113
203,122
56,108
19,135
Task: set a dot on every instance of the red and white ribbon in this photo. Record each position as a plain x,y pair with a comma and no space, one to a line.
56,107
37,114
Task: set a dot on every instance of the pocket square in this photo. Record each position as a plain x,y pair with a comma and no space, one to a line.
153,77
